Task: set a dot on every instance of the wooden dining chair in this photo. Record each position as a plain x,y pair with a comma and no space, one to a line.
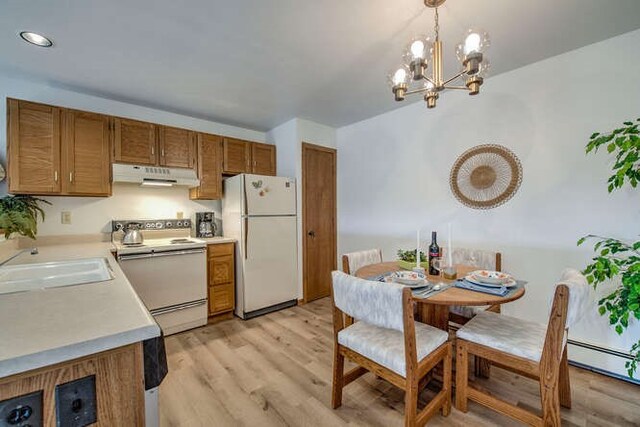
387,342
353,261
527,348
483,259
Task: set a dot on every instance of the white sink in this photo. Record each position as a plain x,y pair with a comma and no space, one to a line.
30,277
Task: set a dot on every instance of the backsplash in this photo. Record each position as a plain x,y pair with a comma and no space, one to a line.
90,215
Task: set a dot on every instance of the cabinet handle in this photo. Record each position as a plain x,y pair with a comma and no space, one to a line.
70,176
153,150
163,152
55,176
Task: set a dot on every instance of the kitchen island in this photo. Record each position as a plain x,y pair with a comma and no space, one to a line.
58,335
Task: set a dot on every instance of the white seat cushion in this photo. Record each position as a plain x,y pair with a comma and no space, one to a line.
386,346
466,310
505,333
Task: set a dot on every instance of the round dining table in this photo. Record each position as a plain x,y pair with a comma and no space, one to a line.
434,310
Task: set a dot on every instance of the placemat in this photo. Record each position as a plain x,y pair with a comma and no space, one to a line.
422,292
501,292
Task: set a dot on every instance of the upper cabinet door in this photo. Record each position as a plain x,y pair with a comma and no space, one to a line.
135,142
209,149
237,156
176,147
263,159
87,155
33,149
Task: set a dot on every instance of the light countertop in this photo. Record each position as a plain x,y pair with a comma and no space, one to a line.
44,327
215,240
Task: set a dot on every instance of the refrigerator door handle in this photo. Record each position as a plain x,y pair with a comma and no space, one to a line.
245,237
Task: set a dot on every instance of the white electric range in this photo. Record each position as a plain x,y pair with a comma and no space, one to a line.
168,273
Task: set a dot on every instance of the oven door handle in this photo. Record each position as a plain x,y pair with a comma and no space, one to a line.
127,257
178,307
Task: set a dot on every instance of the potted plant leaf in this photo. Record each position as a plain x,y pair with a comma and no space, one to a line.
407,259
19,214
618,259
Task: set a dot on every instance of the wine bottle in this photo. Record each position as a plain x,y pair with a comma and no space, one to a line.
434,253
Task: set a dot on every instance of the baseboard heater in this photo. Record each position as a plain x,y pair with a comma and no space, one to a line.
606,351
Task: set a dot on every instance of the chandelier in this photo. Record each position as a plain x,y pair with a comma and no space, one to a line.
423,50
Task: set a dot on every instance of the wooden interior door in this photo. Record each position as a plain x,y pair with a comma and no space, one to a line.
237,156
87,160
263,159
209,148
176,147
135,142
33,148
318,220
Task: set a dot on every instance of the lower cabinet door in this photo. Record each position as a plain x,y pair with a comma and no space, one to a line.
221,298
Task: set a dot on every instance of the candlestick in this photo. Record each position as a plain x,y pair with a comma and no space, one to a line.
418,250
449,246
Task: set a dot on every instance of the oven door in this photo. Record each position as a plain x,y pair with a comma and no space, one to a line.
167,279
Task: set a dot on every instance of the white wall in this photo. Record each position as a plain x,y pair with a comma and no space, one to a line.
394,171
91,215
288,139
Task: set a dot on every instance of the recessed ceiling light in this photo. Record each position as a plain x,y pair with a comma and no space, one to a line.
36,39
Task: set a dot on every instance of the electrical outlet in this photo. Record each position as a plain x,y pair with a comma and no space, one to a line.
22,411
179,214
76,402
65,217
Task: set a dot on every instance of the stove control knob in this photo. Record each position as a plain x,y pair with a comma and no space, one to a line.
179,224
158,225
168,224
149,225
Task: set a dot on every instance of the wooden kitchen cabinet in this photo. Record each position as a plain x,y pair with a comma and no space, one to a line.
33,147
135,142
236,155
209,155
86,154
177,147
221,278
263,159
57,151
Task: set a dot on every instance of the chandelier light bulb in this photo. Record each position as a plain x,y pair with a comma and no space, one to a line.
472,43
417,49
400,76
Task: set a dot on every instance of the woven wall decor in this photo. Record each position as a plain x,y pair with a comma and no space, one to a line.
2,173
485,176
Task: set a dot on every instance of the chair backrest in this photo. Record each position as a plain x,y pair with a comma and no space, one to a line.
377,303
579,295
353,261
487,260
571,298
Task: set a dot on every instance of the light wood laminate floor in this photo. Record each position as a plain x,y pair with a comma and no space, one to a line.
276,370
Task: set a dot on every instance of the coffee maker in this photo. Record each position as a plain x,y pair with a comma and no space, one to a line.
205,224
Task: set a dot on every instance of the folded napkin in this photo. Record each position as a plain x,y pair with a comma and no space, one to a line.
465,284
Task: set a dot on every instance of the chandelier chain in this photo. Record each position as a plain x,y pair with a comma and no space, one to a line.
437,25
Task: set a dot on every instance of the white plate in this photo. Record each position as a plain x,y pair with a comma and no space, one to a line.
511,283
491,277
411,279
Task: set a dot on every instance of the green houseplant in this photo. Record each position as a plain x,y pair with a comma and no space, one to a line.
407,259
19,214
616,258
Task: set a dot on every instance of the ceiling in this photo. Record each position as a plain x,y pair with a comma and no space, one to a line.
257,63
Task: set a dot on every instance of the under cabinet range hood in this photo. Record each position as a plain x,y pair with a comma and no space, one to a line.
154,176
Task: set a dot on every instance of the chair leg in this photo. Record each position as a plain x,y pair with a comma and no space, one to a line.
411,403
565,384
482,367
338,378
462,375
550,402
446,381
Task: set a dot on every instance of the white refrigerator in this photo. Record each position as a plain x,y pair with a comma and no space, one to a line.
260,213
